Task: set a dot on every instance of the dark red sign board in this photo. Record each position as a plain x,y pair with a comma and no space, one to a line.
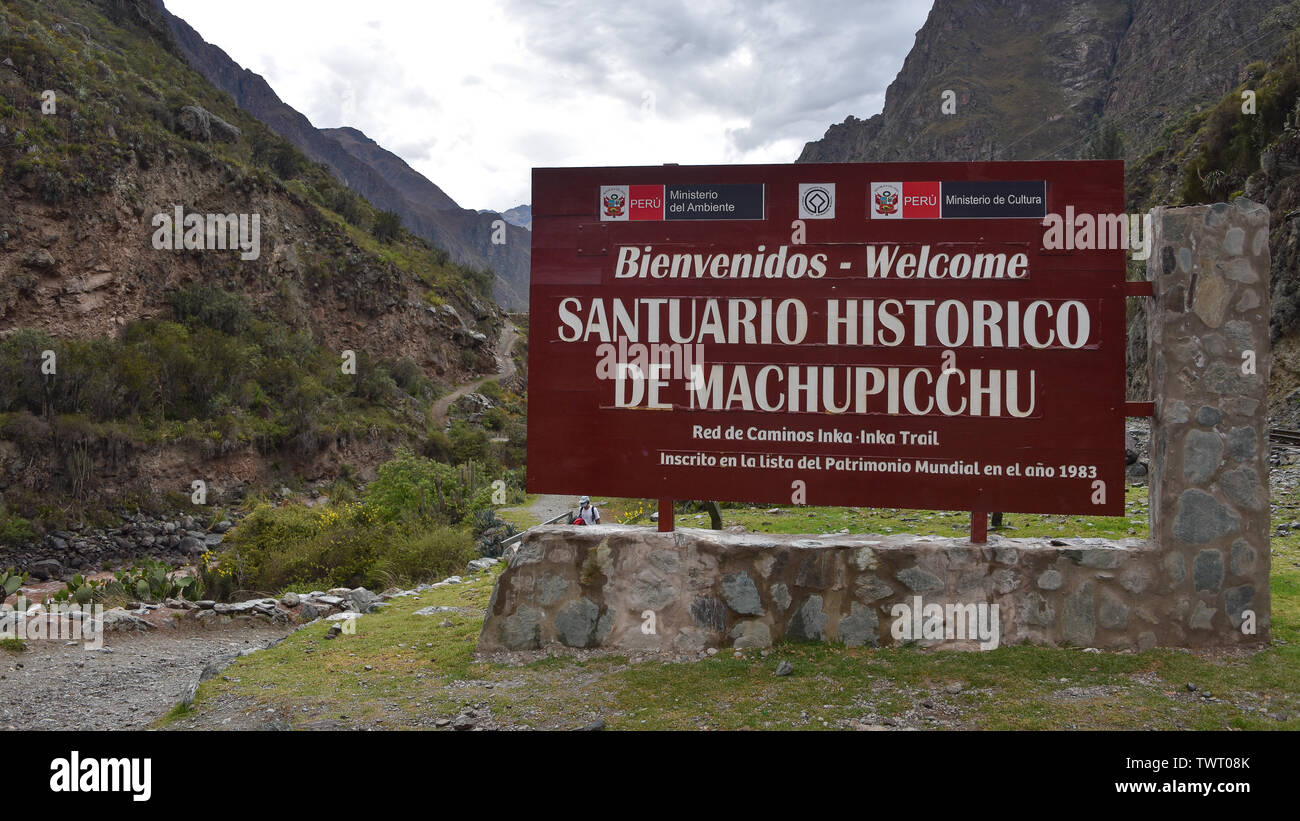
897,335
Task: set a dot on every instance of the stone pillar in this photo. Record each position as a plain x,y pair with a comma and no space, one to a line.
1209,362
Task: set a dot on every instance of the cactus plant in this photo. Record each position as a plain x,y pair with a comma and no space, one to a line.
151,582
9,583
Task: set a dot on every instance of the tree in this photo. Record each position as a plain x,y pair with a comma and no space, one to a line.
388,226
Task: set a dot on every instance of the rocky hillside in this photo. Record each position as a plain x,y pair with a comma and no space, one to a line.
1157,83
1034,80
380,176
130,367
521,215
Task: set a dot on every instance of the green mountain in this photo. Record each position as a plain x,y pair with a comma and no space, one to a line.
372,171
134,359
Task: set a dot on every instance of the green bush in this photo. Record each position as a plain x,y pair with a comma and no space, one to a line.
414,488
344,545
225,376
422,556
492,390
212,307
495,419
14,529
387,227
344,203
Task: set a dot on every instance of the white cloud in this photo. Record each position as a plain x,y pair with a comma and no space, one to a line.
473,95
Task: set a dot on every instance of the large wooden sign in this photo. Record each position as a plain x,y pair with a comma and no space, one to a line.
830,334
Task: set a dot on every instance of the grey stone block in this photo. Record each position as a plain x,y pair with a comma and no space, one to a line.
1202,617
861,626
709,613
1241,486
1176,566
1243,558
920,580
781,596
1050,580
741,594
1207,571
575,624
1201,518
808,622
522,629
1136,579
1079,621
550,587
1202,453
1235,601
751,635
1242,443
867,588
1036,610
1113,612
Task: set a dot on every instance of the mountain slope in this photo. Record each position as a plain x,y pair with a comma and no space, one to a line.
173,363
521,215
1157,83
1031,79
374,173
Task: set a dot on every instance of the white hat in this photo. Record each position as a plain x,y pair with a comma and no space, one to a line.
584,501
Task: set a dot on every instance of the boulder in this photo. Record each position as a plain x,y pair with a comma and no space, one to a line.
363,601
198,123
45,569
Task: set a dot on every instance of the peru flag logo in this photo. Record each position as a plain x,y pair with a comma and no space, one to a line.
905,200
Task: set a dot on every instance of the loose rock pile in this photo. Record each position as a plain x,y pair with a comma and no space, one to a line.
337,604
176,541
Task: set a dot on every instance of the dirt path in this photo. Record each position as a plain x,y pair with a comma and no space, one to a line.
54,686
547,507
505,369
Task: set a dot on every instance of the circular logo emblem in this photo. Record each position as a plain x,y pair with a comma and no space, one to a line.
886,201
816,200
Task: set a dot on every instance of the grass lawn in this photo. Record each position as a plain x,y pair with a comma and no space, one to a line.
421,673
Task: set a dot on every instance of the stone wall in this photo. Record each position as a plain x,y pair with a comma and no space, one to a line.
584,587
1209,461
1200,580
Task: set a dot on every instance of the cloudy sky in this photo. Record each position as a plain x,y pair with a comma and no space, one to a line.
475,93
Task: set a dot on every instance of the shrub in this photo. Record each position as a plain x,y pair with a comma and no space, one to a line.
214,308
14,529
52,187
344,203
421,556
495,419
469,444
343,545
275,547
387,227
437,446
492,390
411,487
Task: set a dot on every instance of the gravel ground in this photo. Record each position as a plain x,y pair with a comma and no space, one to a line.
54,685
